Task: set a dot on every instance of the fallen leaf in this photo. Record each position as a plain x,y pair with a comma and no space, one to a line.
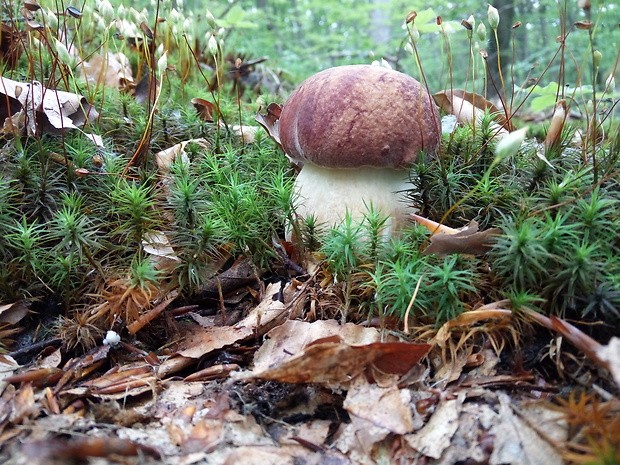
337,362
247,134
265,316
13,313
167,156
465,240
516,443
493,310
150,315
590,347
293,336
436,435
23,405
387,408
112,71
80,449
358,440
8,365
469,107
156,243
33,109
270,121
554,132
38,377
94,138
205,109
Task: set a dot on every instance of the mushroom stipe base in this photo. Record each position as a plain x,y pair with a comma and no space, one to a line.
334,192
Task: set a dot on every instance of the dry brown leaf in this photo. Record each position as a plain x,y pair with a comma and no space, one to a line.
469,318
516,443
270,121
358,439
247,134
13,313
436,435
157,245
81,448
387,408
146,317
260,454
23,405
554,132
465,240
293,336
469,107
33,109
205,109
167,156
266,315
8,365
330,361
115,71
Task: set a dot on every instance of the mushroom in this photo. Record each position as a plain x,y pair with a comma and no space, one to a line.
357,129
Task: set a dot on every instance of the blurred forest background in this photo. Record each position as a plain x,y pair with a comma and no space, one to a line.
302,37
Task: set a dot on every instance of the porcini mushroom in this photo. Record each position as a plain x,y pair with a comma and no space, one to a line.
357,129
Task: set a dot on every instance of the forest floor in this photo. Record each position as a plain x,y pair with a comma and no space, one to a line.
274,383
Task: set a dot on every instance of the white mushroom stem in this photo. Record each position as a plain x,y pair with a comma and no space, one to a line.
329,193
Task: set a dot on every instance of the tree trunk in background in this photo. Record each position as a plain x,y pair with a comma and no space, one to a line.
504,34
542,15
380,30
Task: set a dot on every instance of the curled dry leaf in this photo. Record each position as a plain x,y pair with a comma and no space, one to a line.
31,5
94,138
269,121
167,156
270,312
8,366
157,244
436,436
81,449
331,361
112,71
554,134
13,313
390,406
515,438
293,336
147,317
247,134
465,240
469,107
31,109
205,109
495,311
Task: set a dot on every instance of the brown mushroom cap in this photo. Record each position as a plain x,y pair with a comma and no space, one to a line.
359,115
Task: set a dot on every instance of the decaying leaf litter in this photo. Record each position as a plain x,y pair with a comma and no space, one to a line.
275,374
